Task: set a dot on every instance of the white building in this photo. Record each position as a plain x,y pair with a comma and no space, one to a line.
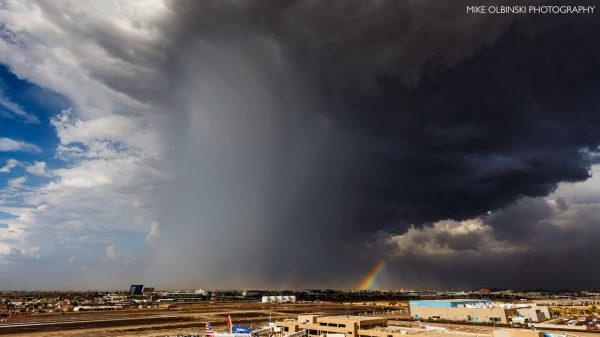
279,299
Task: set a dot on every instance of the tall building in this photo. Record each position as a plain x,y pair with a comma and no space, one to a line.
136,289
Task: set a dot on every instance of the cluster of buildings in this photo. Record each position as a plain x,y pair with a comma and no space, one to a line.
582,322
138,296
146,295
479,311
364,326
139,291
338,326
14,303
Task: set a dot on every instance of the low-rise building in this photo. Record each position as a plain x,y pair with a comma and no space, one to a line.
356,326
348,326
482,311
181,297
535,313
279,299
462,310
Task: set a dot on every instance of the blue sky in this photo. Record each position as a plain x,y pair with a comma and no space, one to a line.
33,129
37,102
29,167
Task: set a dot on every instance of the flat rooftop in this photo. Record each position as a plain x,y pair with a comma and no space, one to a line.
353,318
446,303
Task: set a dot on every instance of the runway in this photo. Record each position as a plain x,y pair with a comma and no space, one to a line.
87,321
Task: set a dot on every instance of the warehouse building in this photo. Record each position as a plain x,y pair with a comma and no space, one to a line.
181,297
334,326
355,326
462,310
535,313
278,299
483,311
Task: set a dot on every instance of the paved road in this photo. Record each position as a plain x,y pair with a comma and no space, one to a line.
88,321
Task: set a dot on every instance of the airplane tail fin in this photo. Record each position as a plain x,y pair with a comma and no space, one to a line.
209,331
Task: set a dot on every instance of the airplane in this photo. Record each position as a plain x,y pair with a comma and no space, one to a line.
234,331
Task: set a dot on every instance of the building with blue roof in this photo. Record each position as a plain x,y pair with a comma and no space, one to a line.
469,310
448,303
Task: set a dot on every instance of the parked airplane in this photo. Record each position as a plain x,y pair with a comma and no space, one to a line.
234,331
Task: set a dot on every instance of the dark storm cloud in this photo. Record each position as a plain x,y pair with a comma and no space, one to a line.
546,245
305,137
447,115
521,221
306,132
306,140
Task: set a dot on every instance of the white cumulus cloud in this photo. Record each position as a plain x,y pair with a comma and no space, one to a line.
37,168
10,164
11,145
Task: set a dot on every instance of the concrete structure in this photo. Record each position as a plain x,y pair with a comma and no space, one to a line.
462,310
449,303
181,297
278,299
97,307
560,327
535,314
529,333
359,326
517,333
483,311
348,326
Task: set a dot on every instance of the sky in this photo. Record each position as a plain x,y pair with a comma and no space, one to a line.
297,144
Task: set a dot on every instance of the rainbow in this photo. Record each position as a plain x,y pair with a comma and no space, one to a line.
372,276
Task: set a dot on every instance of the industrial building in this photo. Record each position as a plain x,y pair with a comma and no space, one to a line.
461,310
278,299
534,313
483,311
356,326
181,297
348,326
